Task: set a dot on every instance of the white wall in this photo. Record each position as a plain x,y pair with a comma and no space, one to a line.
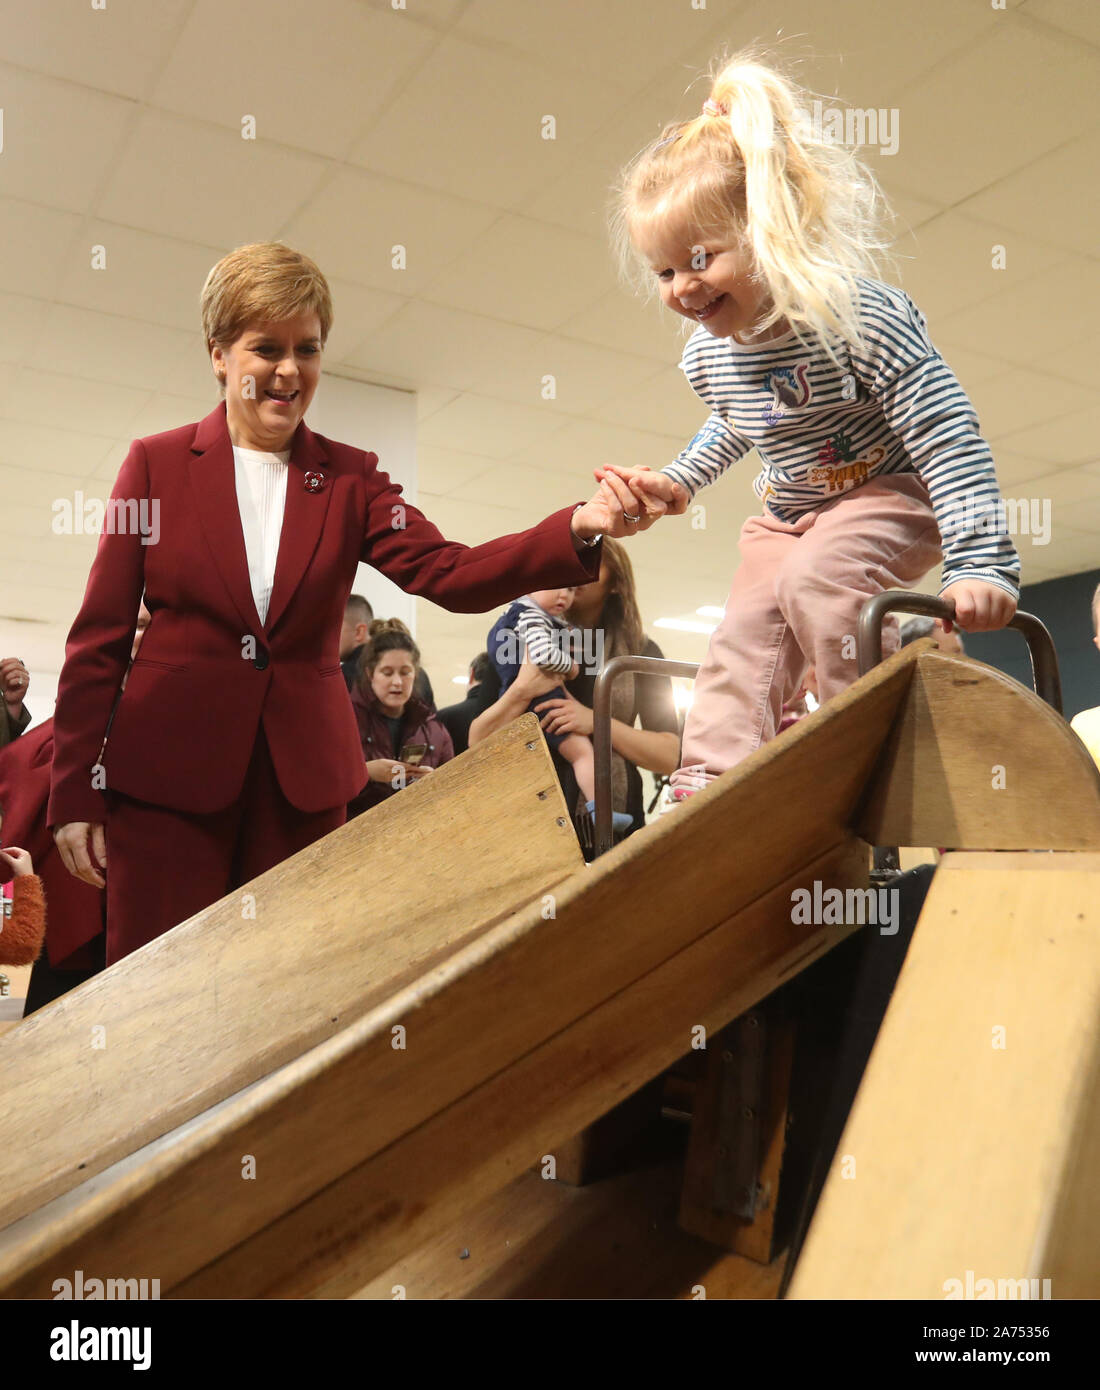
383,420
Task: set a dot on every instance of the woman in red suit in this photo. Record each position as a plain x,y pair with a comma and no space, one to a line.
233,744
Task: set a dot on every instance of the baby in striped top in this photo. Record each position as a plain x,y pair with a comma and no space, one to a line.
764,233
535,627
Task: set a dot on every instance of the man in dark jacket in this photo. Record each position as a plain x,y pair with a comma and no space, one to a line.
481,692
358,616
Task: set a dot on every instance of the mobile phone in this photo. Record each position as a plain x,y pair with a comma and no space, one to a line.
413,753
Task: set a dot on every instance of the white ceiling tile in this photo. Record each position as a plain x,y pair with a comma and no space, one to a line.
1075,550
667,405
953,264
996,105
357,314
478,425
624,48
535,274
586,376
118,48
23,321
544,491
38,247
1015,473
493,149
164,412
970,367
487,300
429,399
438,14
76,404
1031,323
582,445
109,348
75,452
440,472
1077,17
263,51
144,276
428,343
1066,440
185,178
865,53
628,322
352,224
1018,399
1053,199
59,140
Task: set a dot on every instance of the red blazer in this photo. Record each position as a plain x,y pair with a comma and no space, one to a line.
75,910
208,672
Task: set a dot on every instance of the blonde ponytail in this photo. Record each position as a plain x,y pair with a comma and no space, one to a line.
752,169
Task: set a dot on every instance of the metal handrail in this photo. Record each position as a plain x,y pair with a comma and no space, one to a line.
1040,645
601,727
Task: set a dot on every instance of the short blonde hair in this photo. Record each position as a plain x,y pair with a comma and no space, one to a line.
265,282
752,170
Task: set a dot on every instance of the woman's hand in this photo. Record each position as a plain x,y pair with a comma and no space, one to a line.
71,840
18,860
392,772
615,511
979,607
533,680
566,716
657,492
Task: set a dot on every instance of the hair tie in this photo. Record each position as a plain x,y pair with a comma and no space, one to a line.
715,108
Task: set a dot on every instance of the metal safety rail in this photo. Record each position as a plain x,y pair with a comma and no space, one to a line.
1044,667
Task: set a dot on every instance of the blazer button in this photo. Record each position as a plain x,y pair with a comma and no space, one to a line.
260,661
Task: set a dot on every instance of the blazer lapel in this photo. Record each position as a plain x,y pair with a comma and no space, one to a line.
214,482
307,501
214,485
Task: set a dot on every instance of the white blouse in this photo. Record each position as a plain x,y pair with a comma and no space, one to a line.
261,499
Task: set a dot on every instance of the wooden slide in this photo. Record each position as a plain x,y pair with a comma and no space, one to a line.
317,1074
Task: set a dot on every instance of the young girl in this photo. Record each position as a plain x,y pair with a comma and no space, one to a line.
762,232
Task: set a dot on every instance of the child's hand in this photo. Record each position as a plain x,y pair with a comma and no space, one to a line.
979,607
18,860
657,492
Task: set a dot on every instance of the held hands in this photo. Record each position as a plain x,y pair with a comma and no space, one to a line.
979,607
620,508
71,840
17,860
658,493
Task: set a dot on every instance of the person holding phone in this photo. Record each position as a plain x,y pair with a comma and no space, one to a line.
402,737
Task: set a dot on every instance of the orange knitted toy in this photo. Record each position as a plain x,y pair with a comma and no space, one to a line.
22,934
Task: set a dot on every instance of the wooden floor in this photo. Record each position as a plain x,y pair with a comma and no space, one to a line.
612,1239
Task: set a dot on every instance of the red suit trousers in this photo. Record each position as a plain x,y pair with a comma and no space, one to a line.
164,865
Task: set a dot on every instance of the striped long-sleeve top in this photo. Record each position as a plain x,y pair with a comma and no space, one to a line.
547,639
821,429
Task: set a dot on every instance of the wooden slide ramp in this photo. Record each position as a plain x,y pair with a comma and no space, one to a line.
314,1075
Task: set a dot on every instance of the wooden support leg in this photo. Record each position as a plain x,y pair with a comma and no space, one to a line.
738,1133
